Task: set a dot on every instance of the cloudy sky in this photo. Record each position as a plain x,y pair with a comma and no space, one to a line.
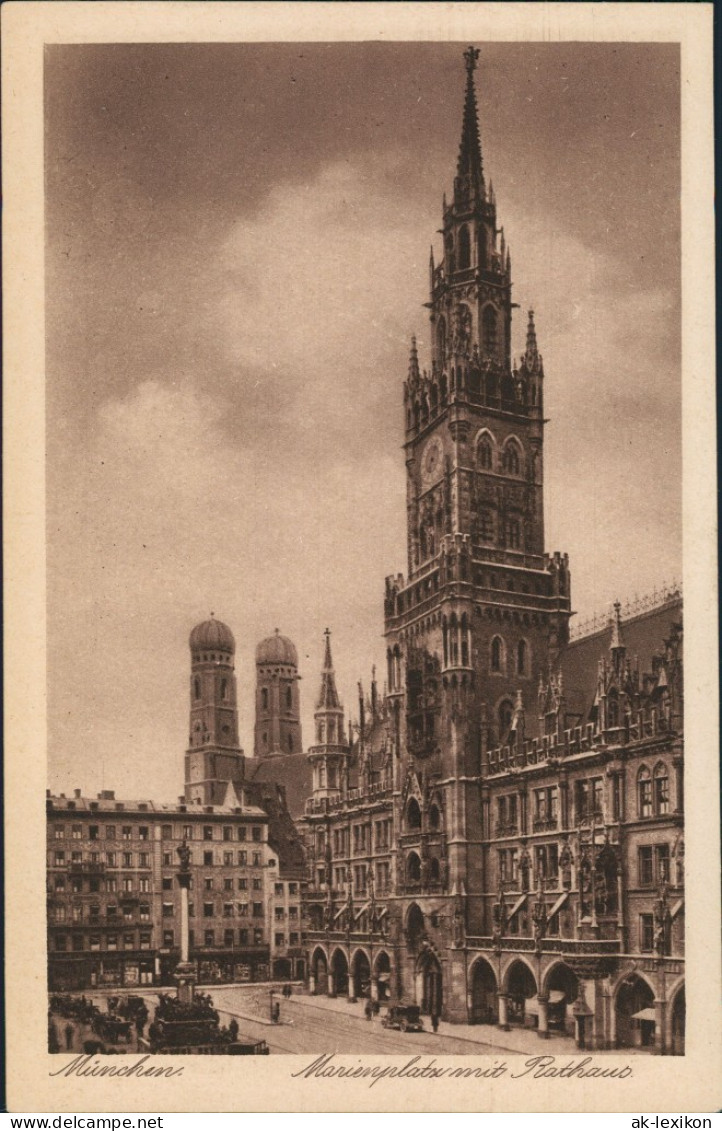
237,255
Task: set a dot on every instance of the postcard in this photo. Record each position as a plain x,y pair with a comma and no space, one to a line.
360,557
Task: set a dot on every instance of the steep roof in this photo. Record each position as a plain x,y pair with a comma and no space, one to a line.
282,835
292,771
642,634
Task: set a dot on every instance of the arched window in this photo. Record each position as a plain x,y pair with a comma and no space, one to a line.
613,709
490,331
197,688
512,458
512,533
264,699
464,248
289,699
413,814
521,658
464,641
450,261
485,453
497,654
224,689
441,339
445,640
454,640
506,711
486,526
290,744
434,870
661,789
434,818
644,792
321,731
413,868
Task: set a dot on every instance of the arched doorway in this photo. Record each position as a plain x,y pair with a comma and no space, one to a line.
563,989
382,969
319,971
521,987
429,989
483,994
339,973
677,1023
361,974
634,1009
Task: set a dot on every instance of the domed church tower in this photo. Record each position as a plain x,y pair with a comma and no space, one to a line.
214,756
278,716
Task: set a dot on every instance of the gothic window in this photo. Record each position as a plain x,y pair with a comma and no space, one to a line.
450,262
289,699
512,533
197,688
454,640
486,526
512,458
485,453
434,818
434,870
413,814
413,868
497,654
445,639
290,744
264,699
661,789
441,339
613,709
464,248
464,641
506,710
490,331
521,658
644,792
224,689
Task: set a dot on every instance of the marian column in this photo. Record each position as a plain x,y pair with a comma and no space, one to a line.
185,974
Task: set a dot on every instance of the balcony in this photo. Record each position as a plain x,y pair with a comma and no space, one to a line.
79,867
506,829
545,824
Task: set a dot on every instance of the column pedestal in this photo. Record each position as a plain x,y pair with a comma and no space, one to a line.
543,1030
503,1012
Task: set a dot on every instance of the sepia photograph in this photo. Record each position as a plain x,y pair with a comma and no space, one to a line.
260,375
364,392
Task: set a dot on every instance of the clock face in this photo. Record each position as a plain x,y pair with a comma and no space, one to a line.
432,460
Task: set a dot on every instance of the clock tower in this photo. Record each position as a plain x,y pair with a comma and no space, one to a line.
483,608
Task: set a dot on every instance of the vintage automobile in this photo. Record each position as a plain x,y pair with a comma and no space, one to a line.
407,1018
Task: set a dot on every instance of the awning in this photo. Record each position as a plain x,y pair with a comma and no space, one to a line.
531,1005
519,903
676,909
648,1014
358,915
559,904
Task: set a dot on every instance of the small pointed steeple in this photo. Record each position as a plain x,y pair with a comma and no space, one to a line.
470,180
328,698
532,357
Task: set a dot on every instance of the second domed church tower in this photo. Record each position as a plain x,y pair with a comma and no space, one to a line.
278,712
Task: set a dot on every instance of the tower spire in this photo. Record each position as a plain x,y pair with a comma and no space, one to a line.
469,174
414,374
328,696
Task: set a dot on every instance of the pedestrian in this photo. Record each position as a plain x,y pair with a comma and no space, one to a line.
435,1022
69,1036
233,1029
368,1010
276,1011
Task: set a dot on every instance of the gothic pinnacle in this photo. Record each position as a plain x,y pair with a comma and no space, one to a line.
414,374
